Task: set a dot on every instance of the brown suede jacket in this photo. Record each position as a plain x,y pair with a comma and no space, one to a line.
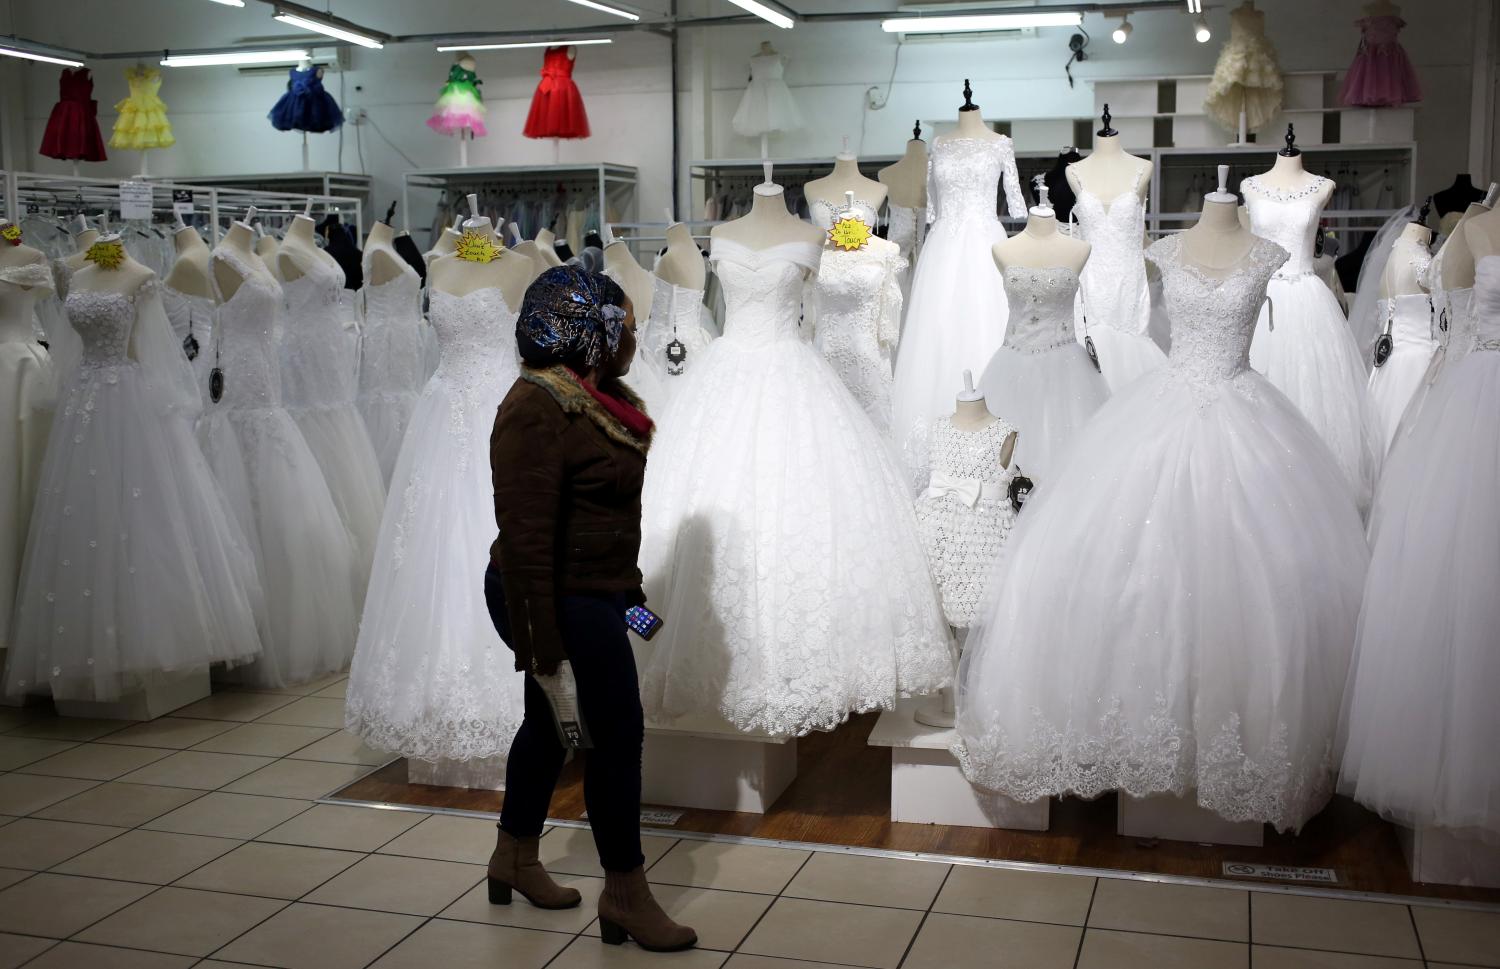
567,479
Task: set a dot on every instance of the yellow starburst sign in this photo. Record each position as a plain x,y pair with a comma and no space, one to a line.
476,247
106,255
11,234
850,233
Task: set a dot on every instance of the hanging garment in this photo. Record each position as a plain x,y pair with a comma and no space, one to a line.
393,362
956,317
1246,77
1381,75
557,107
134,563
459,105
431,678
767,106
779,540
306,106
73,126
142,123
1113,299
343,250
964,513
1411,323
277,490
1427,640
1175,612
1041,380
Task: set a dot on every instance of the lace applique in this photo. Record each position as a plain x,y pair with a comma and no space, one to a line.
963,175
1289,219
907,228
824,213
1041,308
1114,290
319,351
31,275
476,333
245,336
857,310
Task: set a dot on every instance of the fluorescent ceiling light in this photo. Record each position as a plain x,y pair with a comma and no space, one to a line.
231,3
993,21
768,14
32,55
236,57
606,8
327,27
565,42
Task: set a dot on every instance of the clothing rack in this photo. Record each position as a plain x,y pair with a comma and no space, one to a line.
318,184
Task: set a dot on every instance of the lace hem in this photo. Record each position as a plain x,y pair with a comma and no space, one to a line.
431,737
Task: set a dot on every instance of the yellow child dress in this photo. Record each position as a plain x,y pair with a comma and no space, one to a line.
142,123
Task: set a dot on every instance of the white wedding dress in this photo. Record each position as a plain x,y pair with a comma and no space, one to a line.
432,679
134,564
1175,611
1302,341
779,542
1041,380
277,491
1411,322
1421,719
676,313
192,316
956,317
1113,296
393,361
319,365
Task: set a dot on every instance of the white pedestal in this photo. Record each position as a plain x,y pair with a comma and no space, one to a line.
927,786
1438,856
482,774
164,692
699,763
1169,818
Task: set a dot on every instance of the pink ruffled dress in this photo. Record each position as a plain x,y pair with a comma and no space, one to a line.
1381,75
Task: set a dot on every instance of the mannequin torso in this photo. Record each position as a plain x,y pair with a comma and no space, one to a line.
226,278
972,125
546,245
189,274
385,264
1482,233
125,278
532,253
1109,171
1400,276
768,223
682,264
906,180
845,177
298,249
508,272
16,300
638,283
1217,244
82,240
266,247
1287,175
1456,258
1041,246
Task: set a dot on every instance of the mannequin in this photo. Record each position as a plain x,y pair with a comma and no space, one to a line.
906,180
1456,265
1454,200
1400,277
682,264
1482,233
385,264
1288,175
546,244
529,249
768,223
845,177
17,302
1040,245
508,272
266,247
189,274
86,236
241,240
445,242
1218,241
125,278
299,244
638,283
1109,170
971,123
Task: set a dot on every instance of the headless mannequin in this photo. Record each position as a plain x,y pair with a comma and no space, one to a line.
845,177
298,247
1040,245
528,249
906,180
1218,241
189,274
507,272
546,244
970,413
638,283
385,264
125,278
768,223
240,240
17,302
682,263
1457,266
1109,171
87,236
446,242
266,246
1482,233
1399,278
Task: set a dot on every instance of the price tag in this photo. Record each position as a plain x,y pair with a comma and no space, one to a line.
182,201
135,200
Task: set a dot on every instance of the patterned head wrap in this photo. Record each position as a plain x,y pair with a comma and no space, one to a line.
570,316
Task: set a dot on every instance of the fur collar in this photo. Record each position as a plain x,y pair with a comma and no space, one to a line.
573,399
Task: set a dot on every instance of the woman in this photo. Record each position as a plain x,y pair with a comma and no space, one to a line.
568,457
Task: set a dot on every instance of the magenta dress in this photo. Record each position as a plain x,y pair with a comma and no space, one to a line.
1381,75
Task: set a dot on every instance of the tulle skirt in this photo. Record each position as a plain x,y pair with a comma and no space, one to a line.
766,107
1421,719
28,394
431,678
73,133
306,109
134,564
1394,383
1175,612
781,548
1308,352
458,107
1048,397
337,437
142,124
1381,76
1123,357
557,110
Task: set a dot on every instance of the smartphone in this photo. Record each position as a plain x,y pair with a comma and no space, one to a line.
642,621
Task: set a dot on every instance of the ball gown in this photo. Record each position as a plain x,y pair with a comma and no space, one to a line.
393,361
956,316
459,105
1381,75
276,489
557,109
431,678
1175,612
1041,380
1420,712
134,563
1302,341
306,106
72,132
1246,76
1394,383
779,542
767,106
142,123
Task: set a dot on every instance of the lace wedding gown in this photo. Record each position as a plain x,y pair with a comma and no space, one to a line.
319,363
192,316
1457,328
1041,379
1175,612
431,678
393,361
956,316
1420,712
134,563
277,491
1302,340
676,313
1113,296
779,541
1394,383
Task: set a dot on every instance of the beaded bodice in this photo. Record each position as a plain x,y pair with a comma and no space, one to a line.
963,174
245,336
476,333
1041,307
824,213
1289,219
1213,319
104,321
971,455
763,288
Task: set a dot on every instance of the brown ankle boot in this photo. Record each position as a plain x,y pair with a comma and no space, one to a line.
514,865
627,909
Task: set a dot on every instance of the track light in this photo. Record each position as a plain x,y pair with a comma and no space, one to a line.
765,12
1122,32
330,25
996,21
562,42
235,57
1201,33
606,8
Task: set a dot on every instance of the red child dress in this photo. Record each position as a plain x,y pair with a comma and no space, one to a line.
1381,75
73,127
557,107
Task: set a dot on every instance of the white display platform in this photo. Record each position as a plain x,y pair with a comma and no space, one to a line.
482,774
927,786
164,693
1167,818
704,762
1438,856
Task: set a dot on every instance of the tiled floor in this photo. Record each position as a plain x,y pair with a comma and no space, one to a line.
196,841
